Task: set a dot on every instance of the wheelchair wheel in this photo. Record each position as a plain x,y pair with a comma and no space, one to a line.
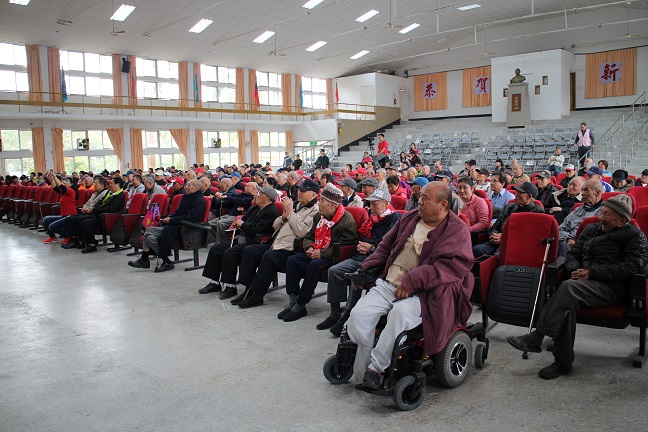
408,395
336,374
453,363
481,354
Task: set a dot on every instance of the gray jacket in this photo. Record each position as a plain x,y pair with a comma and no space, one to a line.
573,220
299,223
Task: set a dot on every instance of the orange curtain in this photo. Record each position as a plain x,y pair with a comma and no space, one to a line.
132,82
289,141
137,154
298,81
54,72
57,149
181,137
116,136
469,98
200,148
286,85
252,81
330,94
117,80
34,73
628,84
241,146
254,146
183,83
429,104
197,80
240,89
38,141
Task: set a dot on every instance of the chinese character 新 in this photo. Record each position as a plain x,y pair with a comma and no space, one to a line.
609,72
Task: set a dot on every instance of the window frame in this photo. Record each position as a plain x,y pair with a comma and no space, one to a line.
158,81
74,77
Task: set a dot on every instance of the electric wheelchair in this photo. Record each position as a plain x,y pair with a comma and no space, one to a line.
406,377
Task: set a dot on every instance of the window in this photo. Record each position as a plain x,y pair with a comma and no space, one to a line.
218,84
15,140
228,151
161,150
18,166
96,164
269,85
13,68
158,139
314,92
87,74
166,160
272,146
98,139
157,79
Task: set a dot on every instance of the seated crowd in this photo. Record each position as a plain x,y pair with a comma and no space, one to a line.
413,222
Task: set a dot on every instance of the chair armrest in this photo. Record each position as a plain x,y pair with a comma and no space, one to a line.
485,266
638,295
110,220
345,250
195,225
554,275
262,238
298,245
478,237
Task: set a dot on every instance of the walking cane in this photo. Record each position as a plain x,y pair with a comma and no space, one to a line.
548,242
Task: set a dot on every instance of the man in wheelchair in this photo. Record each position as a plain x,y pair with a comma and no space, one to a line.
426,260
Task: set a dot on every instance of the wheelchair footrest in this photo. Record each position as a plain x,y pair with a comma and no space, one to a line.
378,392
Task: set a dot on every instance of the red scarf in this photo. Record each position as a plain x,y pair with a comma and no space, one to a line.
365,229
323,232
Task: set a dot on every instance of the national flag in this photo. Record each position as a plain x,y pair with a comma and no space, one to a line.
196,88
256,94
337,95
133,83
301,97
64,96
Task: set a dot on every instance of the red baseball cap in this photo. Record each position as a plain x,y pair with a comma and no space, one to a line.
361,171
178,180
199,170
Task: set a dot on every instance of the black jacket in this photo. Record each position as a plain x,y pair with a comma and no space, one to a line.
191,208
258,221
509,209
113,204
611,258
322,162
378,231
239,202
544,196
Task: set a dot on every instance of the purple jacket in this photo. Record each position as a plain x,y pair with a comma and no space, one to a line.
442,280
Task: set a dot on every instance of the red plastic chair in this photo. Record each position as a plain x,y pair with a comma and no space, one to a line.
398,202
640,195
608,195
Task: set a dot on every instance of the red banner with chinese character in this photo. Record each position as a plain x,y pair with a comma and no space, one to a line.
431,92
611,73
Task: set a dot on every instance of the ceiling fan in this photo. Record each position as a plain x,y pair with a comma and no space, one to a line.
629,35
274,51
115,32
392,16
486,53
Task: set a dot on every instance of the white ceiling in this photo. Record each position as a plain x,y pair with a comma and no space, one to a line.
158,29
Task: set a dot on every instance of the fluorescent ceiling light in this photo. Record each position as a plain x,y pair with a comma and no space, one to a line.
472,6
368,15
360,54
122,13
264,37
201,25
315,46
19,2
312,3
409,28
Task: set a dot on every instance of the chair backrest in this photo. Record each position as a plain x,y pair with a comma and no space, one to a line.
398,202
360,194
207,209
22,193
280,207
560,177
138,204
40,193
161,200
608,195
584,223
640,194
464,218
176,203
483,195
51,196
522,239
31,193
642,218
214,184
88,194
359,214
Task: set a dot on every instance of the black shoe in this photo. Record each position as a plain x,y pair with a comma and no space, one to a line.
294,316
283,313
253,299
329,321
211,287
71,245
554,370
523,343
336,328
371,379
228,292
240,298
165,266
80,246
140,264
89,249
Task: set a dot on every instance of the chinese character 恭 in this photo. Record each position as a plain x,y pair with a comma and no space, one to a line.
429,91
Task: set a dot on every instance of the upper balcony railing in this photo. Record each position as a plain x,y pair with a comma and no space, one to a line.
21,103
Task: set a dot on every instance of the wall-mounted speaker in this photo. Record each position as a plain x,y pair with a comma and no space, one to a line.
125,66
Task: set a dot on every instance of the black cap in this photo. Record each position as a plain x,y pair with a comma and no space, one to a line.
528,188
309,185
483,171
620,175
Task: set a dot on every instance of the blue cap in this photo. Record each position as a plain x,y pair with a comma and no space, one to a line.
421,181
236,174
595,170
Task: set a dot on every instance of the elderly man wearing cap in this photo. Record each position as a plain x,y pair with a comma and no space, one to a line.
524,203
177,188
643,180
570,174
368,185
382,218
159,177
600,265
620,181
236,204
332,225
360,175
482,182
545,188
591,195
348,187
416,184
596,173
262,261
562,201
223,259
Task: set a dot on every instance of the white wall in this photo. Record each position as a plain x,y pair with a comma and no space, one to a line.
550,103
387,88
349,88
